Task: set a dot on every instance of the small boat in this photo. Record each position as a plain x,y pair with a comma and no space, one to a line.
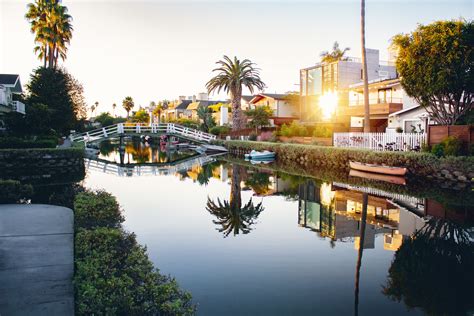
394,171
377,176
210,149
260,155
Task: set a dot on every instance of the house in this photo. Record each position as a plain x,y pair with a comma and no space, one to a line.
331,81
179,109
283,110
245,102
409,120
10,90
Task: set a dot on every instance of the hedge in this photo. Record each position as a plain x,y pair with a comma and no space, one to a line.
12,191
114,275
33,154
16,142
423,164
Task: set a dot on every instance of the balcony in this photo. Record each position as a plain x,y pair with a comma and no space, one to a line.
19,107
378,107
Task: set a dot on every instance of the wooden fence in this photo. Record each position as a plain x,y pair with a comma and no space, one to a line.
381,141
437,133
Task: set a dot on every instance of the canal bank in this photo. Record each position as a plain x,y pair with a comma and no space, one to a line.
37,260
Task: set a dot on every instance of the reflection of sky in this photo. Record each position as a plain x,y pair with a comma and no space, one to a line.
278,268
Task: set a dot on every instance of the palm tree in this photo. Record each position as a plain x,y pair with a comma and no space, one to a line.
96,103
335,55
158,110
365,200
128,105
51,24
231,76
364,69
231,216
113,108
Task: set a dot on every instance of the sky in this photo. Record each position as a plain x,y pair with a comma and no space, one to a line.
153,50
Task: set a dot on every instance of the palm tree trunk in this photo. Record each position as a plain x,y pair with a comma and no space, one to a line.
365,199
364,70
235,191
237,120
45,54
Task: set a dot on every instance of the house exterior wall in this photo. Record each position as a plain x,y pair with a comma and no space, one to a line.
407,121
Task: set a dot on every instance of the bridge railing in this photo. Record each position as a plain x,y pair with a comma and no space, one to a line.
137,128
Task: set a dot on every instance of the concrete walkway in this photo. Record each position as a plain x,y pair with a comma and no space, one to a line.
36,260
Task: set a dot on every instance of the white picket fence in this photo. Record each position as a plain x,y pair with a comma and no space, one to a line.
381,141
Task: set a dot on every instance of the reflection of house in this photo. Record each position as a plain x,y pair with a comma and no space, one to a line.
283,110
10,90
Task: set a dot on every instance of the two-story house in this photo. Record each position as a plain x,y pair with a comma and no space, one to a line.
283,110
10,90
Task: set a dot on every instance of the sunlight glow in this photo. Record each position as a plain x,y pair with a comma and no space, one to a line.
328,104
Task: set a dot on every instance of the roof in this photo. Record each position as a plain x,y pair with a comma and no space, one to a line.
247,98
274,96
183,105
375,82
12,81
404,110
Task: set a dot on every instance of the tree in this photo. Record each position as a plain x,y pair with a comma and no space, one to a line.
141,116
207,121
436,65
105,119
335,55
231,76
52,87
259,117
51,24
158,109
113,108
364,69
128,105
76,92
363,221
231,216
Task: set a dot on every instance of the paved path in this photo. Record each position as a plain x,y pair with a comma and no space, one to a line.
36,260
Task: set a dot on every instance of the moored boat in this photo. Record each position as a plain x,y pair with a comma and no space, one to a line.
394,171
260,155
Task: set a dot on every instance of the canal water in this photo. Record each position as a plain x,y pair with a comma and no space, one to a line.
249,240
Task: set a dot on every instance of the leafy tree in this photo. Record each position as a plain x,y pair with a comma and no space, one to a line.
51,24
436,65
128,105
231,216
105,119
207,121
259,117
52,87
76,92
231,76
141,116
335,55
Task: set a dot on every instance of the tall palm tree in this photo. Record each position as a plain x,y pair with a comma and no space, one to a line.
364,69
335,55
128,105
231,76
51,24
231,216
113,108
365,200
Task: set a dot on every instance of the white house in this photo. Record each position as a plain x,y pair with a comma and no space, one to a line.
409,120
10,89
283,110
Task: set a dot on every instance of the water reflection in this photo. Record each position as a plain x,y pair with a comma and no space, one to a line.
231,216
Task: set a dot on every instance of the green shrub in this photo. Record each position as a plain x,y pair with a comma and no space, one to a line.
253,136
115,277
16,142
294,129
219,130
452,146
438,150
96,209
12,191
322,131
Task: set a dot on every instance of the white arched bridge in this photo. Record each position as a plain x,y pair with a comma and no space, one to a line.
123,129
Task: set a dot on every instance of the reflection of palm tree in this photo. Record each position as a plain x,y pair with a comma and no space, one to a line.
433,270
363,220
231,216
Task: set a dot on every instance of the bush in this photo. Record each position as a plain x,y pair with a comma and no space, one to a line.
96,209
12,191
322,131
220,130
266,136
115,277
294,129
16,142
113,274
253,136
450,146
